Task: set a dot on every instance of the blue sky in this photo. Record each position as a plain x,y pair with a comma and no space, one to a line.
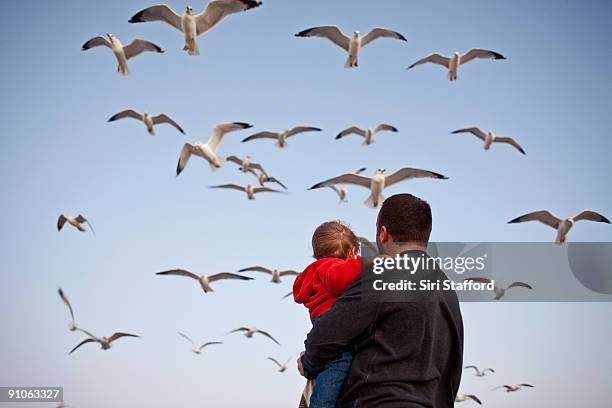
59,155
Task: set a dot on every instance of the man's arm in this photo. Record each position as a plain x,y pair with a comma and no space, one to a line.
349,317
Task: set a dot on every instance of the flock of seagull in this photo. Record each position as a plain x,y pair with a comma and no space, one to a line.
194,25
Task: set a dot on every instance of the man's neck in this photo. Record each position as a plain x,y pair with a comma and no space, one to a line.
393,248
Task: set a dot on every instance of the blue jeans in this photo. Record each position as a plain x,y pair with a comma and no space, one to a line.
330,381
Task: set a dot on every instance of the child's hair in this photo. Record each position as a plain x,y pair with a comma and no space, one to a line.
334,239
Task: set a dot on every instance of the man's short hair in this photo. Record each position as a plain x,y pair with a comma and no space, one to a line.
406,217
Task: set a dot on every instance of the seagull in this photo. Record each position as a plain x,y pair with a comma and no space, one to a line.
250,331
499,292
465,397
246,164
343,191
478,372
282,136
514,388
192,25
74,221
378,182
105,342
147,119
208,150
368,134
263,178
275,273
281,367
248,189
452,63
72,326
353,44
196,349
122,53
204,280
562,226
489,138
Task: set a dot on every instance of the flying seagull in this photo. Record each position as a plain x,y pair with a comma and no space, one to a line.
466,397
250,331
248,189
562,226
367,134
147,119
343,191
489,138
378,182
353,44
122,53
282,136
72,326
192,25
275,273
478,372
514,388
263,179
281,367
246,164
500,292
452,63
105,342
208,150
76,222
198,349
204,280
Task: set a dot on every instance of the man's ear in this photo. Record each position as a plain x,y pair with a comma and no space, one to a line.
383,234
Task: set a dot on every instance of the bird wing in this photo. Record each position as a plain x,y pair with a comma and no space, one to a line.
289,272
488,369
376,33
66,302
184,158
158,13
239,329
234,159
96,42
473,130
128,113
352,130
472,366
261,135
519,285
268,335
510,141
348,178
480,53
287,295
302,129
384,126
544,216
265,190
332,33
230,186
221,129
187,338
61,221
474,398
525,385
81,343
118,335
219,9
258,167
408,173
434,58
590,216
480,280
359,171
81,219
257,269
275,361
180,272
335,188
137,47
210,343
227,275
163,118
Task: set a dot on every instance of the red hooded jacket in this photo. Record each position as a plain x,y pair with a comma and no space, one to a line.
323,281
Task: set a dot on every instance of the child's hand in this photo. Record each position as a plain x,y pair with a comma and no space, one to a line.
299,364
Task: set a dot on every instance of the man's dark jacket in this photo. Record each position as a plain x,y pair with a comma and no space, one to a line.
408,346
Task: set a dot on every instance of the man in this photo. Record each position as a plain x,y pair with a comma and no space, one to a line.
408,347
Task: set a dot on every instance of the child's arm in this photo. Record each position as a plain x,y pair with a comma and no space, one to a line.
339,274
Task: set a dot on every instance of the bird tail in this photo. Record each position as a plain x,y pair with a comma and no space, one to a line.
192,48
281,145
351,62
372,203
123,69
218,164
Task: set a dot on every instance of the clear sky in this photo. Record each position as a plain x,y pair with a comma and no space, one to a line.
60,155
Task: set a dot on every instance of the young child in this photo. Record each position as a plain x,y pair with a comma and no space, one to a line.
335,249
